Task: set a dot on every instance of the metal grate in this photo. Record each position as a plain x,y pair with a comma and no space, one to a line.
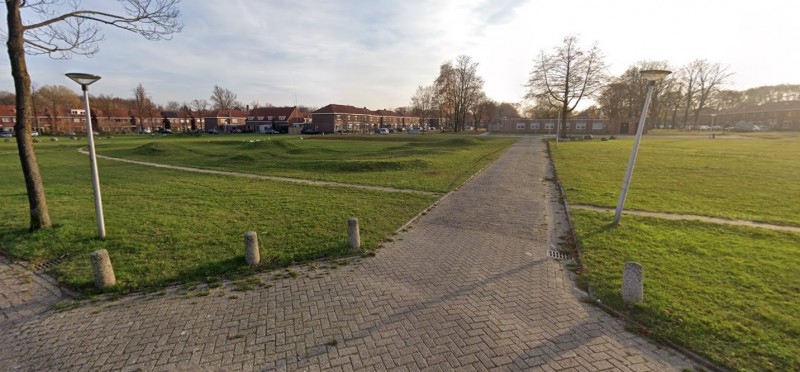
40,268
559,255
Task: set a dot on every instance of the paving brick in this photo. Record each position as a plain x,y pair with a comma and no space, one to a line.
469,286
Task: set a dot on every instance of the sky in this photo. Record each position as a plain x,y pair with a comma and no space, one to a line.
375,53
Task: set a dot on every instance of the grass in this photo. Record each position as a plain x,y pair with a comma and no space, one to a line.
436,163
166,227
726,292
747,179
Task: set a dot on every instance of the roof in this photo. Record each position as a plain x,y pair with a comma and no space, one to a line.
274,111
385,112
8,110
343,109
226,113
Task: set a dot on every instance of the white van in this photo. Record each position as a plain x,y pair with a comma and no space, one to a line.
383,130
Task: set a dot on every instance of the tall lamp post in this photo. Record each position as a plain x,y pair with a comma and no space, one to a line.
85,80
652,76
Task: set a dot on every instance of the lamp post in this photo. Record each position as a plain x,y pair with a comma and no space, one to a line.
85,80
652,77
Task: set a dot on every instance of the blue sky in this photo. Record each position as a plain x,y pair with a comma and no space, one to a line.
375,53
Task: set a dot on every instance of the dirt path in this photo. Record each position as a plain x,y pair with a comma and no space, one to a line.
673,216
262,177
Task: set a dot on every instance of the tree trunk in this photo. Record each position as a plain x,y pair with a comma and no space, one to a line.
40,217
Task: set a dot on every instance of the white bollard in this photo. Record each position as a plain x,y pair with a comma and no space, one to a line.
353,235
102,270
251,254
632,283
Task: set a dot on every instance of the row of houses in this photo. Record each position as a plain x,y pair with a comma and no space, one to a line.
573,126
333,118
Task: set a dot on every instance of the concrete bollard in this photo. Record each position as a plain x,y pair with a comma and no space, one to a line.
251,254
102,270
633,283
353,235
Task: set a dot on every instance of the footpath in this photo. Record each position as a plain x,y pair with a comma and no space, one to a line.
470,285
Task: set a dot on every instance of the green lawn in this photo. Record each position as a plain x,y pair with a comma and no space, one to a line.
435,163
726,292
749,179
168,226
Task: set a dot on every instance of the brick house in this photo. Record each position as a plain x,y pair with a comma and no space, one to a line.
282,119
574,126
224,120
335,118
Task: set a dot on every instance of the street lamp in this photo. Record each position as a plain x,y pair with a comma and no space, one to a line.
652,76
85,80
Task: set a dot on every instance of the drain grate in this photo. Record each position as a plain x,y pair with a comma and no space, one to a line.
559,255
40,268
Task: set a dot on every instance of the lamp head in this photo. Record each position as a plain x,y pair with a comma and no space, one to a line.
654,75
83,79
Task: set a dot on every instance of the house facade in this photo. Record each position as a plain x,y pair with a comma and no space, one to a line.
335,118
282,119
224,120
574,126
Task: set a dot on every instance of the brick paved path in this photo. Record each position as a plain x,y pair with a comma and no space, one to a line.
469,286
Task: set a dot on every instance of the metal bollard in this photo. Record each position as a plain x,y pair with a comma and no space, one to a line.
632,283
102,270
353,235
251,254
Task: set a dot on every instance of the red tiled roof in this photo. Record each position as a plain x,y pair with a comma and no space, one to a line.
226,113
8,110
273,111
343,109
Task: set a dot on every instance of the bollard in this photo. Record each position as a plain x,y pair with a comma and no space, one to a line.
632,283
251,254
102,270
353,235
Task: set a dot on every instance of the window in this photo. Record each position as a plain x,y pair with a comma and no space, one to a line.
269,117
76,120
281,118
548,126
260,118
250,117
580,125
235,121
534,125
567,126
6,120
597,126
520,126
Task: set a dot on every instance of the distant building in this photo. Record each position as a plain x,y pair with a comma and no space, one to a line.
335,118
282,119
224,120
574,126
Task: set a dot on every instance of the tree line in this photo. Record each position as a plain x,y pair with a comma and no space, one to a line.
566,75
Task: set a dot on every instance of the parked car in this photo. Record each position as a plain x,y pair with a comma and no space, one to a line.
6,135
271,131
212,131
309,131
164,131
235,130
383,130
35,133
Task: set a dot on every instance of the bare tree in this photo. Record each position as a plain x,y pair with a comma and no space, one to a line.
76,31
460,89
142,104
172,106
566,76
223,99
423,103
7,98
106,103
56,99
711,77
